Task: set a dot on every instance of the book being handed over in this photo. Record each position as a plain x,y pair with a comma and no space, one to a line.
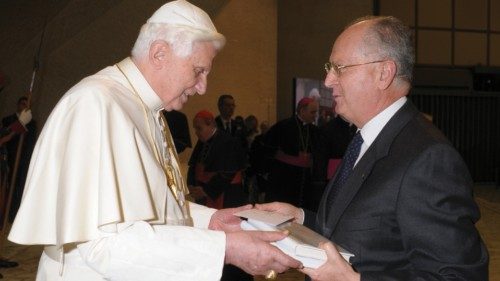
301,243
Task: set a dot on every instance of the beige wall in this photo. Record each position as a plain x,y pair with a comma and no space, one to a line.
246,67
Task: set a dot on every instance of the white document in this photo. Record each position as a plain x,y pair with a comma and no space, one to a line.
302,243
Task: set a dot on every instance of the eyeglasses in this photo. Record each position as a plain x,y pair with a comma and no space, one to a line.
336,68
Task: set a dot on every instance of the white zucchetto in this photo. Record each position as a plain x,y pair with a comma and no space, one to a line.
183,13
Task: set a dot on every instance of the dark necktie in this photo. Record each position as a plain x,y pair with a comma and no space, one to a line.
228,127
346,167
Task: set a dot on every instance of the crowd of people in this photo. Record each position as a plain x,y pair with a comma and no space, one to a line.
105,196
290,161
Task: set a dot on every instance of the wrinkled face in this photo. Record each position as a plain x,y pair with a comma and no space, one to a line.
354,89
227,108
178,78
203,130
308,114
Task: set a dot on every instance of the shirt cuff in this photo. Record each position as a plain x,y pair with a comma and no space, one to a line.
201,215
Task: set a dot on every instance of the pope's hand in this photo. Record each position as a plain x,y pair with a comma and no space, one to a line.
225,219
334,269
252,252
283,208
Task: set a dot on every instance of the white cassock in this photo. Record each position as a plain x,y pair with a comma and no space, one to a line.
97,186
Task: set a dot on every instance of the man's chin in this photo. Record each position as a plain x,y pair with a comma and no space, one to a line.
177,105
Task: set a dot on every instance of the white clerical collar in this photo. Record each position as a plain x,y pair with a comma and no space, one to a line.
370,130
144,90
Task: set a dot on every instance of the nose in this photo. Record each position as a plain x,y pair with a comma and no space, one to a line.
331,79
201,85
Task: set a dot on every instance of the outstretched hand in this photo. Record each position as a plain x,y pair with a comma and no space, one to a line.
334,269
225,219
252,252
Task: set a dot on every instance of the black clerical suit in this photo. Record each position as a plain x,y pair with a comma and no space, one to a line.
338,134
406,211
292,145
335,135
220,162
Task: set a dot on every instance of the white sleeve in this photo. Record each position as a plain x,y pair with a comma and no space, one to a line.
157,252
201,214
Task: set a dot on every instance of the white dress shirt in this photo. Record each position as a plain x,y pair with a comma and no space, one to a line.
372,128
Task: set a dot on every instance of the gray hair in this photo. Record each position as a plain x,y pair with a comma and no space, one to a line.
394,41
180,38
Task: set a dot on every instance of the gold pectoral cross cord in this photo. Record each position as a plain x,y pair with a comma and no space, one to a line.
178,188
175,184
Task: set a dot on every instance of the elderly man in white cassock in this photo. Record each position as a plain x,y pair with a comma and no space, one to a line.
104,192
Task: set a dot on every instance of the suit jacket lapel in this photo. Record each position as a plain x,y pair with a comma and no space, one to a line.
352,185
323,208
378,149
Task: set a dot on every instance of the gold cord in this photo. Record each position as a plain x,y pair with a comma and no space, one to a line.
179,190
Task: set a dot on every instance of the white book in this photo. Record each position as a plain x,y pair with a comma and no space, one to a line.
302,243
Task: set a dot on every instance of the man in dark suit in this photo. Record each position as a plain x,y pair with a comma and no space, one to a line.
405,208
225,121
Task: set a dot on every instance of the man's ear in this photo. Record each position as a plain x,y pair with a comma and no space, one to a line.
158,53
387,74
